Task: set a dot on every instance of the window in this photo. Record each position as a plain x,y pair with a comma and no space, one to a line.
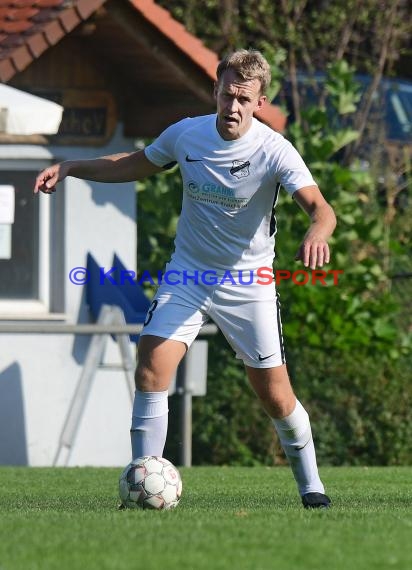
25,274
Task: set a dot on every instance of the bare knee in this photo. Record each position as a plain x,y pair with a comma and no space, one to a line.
158,359
273,388
147,380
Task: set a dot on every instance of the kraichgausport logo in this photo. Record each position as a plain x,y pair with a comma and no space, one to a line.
261,276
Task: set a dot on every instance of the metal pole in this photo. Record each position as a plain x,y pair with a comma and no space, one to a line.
183,389
84,328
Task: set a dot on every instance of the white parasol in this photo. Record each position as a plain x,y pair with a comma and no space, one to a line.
24,114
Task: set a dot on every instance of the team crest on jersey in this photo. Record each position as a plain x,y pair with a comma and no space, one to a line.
240,168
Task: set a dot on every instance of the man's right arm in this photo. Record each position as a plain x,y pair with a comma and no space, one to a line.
126,167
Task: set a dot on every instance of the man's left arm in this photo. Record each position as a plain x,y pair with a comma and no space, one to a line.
314,249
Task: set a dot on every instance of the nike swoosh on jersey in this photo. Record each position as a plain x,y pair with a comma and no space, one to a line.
261,358
188,159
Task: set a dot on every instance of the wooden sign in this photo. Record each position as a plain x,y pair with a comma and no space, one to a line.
89,117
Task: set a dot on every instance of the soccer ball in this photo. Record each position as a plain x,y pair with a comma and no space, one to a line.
150,483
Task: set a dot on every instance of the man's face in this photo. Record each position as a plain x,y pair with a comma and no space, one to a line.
236,100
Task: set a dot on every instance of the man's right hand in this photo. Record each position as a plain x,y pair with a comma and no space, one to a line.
47,179
115,168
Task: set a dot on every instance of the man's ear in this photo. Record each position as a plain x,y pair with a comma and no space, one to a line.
261,101
215,88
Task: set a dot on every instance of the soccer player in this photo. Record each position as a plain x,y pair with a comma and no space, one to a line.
232,166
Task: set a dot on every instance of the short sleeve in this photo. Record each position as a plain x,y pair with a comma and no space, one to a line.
291,170
162,150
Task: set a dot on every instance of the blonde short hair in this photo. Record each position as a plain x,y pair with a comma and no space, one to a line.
248,65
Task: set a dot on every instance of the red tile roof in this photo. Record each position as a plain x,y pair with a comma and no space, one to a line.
177,33
272,116
30,27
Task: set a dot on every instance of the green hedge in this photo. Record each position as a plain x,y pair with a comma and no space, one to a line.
360,409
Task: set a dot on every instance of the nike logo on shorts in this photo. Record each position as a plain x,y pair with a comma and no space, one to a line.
261,358
188,159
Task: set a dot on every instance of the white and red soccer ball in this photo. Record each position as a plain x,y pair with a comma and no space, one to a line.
150,483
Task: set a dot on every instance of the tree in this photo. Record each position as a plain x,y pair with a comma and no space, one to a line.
307,35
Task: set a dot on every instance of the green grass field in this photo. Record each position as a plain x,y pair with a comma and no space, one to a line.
228,518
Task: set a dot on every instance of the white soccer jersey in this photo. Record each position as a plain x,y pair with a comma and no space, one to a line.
229,189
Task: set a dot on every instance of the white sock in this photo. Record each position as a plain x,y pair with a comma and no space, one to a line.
295,435
149,423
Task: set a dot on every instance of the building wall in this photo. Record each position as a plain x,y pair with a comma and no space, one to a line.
39,373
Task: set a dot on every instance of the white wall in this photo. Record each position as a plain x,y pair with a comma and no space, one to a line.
39,373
